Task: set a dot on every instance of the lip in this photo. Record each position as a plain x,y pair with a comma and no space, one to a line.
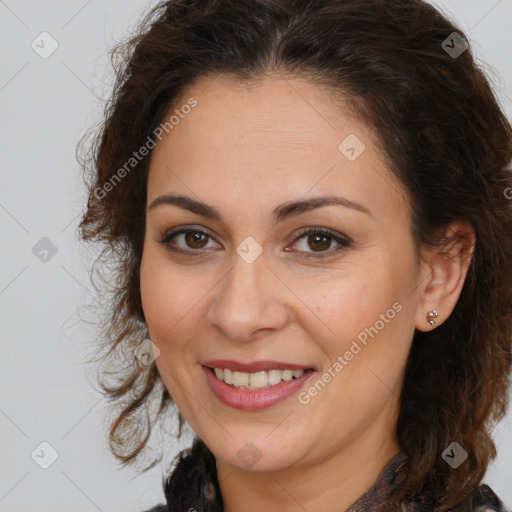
254,366
254,399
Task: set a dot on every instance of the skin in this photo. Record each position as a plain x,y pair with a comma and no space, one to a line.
246,148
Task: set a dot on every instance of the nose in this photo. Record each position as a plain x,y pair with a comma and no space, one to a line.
250,300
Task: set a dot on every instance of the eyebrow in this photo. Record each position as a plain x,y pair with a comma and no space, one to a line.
279,214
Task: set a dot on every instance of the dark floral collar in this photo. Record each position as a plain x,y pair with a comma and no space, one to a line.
193,487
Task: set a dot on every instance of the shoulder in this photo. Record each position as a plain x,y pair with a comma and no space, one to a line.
483,499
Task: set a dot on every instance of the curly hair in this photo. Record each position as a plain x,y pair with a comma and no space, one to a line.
443,135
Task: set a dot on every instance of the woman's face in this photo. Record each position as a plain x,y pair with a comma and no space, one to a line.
255,286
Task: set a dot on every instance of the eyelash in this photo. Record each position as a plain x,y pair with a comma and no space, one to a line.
344,242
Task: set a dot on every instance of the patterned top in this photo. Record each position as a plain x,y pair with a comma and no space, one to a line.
193,487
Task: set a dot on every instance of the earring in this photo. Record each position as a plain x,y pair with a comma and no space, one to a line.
430,317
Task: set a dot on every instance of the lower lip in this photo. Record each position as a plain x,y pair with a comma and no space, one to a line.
254,399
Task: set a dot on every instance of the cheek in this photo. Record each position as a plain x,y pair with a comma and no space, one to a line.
173,299
168,306
164,297
363,317
367,354
345,306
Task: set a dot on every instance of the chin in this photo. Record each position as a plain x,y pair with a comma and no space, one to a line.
255,453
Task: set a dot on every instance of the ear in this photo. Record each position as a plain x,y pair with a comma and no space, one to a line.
443,271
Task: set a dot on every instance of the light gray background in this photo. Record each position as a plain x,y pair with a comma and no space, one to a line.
45,107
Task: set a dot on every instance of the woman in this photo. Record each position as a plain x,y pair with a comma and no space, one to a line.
304,208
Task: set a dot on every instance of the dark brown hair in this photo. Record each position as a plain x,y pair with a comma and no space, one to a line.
441,131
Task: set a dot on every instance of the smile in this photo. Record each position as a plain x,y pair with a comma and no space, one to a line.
257,380
264,386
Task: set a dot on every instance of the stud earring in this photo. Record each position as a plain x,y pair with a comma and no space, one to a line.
430,317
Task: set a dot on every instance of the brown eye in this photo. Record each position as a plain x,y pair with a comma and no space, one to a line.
316,242
319,241
195,239
186,241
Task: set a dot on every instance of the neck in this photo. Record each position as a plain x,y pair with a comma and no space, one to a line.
331,483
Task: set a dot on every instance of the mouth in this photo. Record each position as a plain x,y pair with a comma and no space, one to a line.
257,385
262,379
256,374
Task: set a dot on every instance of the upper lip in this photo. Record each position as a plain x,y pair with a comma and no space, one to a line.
254,366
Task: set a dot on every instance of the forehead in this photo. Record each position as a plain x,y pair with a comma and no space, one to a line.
280,135
288,111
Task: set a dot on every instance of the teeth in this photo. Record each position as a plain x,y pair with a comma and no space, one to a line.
228,376
257,380
287,374
273,377
240,379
